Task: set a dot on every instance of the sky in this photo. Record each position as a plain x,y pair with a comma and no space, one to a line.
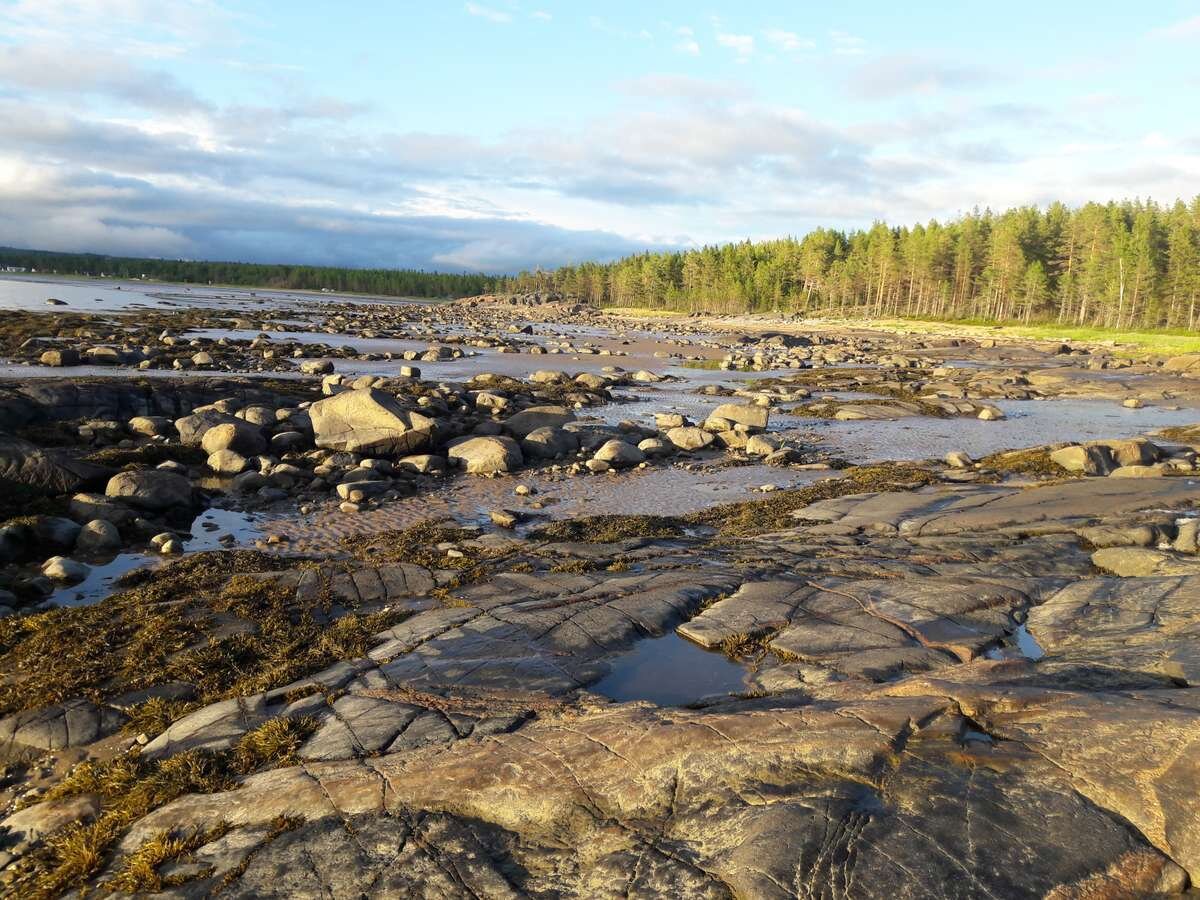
503,135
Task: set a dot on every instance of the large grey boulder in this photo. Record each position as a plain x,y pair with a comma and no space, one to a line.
240,437
68,571
592,437
287,441
619,454
55,531
192,428
150,426
1105,457
762,445
316,367
151,489
422,463
1131,452
591,380
1084,459
104,356
1187,362
487,455
98,536
86,507
369,421
227,462
689,437
545,376
53,473
656,447
753,418
549,442
258,415
535,417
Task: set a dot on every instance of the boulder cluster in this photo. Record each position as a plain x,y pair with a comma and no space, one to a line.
1132,458
362,442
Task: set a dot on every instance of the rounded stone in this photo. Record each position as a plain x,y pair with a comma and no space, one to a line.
69,571
151,489
227,462
619,454
241,437
487,455
690,438
98,536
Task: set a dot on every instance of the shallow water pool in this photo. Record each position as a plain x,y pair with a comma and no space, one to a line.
670,671
207,529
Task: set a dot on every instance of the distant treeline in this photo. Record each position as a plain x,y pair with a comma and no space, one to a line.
384,282
1118,265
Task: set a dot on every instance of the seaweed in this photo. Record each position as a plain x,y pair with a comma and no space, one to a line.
417,544
1033,461
130,787
147,455
609,529
775,512
162,627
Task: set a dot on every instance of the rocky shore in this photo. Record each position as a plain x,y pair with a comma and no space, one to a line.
958,676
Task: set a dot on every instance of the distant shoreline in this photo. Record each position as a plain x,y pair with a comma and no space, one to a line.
58,278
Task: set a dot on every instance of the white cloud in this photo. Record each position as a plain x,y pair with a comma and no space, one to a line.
900,74
703,90
57,69
1184,29
687,42
604,27
486,12
147,29
103,149
845,44
788,41
541,15
741,44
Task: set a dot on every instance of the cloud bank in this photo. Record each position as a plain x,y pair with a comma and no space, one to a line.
106,147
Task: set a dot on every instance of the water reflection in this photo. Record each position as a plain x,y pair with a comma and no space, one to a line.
670,671
213,529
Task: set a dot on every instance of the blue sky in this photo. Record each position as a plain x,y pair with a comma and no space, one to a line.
501,135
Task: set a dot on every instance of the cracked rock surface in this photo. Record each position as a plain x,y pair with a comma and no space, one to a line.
942,696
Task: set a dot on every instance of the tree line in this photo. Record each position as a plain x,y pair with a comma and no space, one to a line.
382,282
1128,264
1118,265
